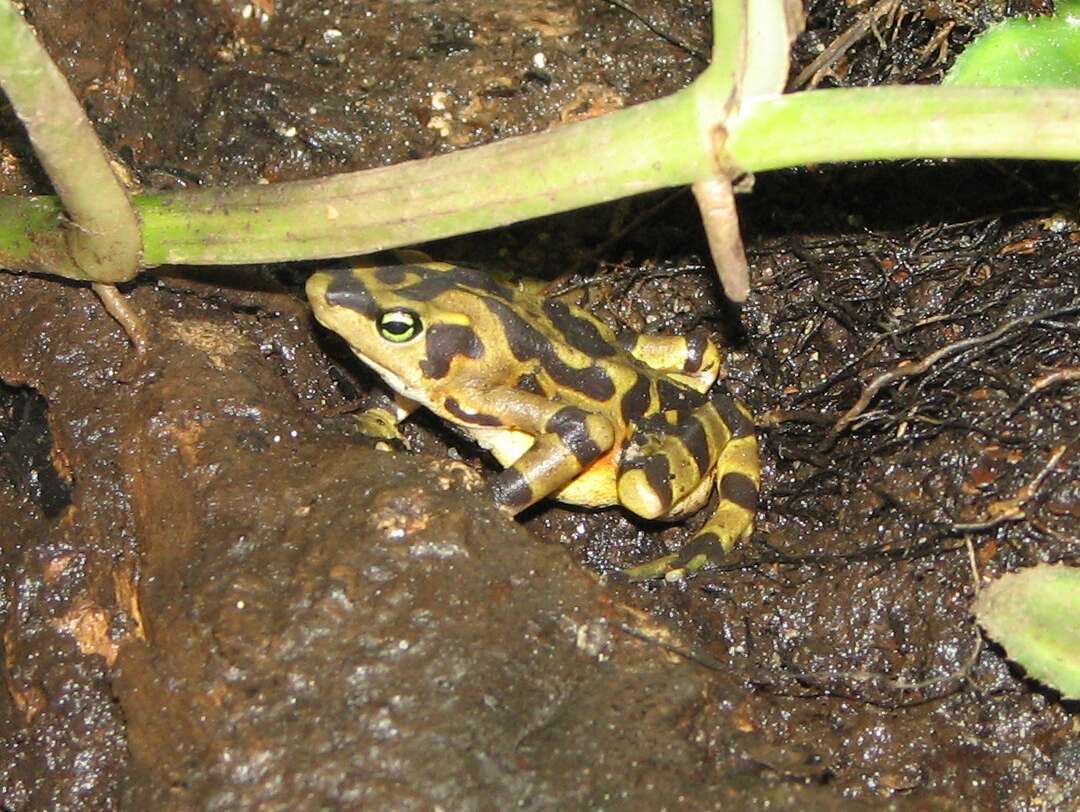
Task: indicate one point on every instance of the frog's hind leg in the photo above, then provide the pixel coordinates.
(732, 522)
(694, 359)
(738, 478)
(666, 461)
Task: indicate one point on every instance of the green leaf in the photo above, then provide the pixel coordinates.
(1040, 52)
(1035, 615)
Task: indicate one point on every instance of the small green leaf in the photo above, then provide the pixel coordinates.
(1035, 615)
(1040, 52)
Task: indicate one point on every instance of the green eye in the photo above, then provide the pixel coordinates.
(399, 325)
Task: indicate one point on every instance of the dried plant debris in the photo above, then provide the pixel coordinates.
(890, 41)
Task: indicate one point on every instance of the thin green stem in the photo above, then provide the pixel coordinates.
(32, 237)
(646, 147)
(891, 123)
(729, 51)
(651, 146)
(104, 235)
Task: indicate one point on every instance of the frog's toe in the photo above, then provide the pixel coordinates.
(650, 570)
(671, 568)
(702, 550)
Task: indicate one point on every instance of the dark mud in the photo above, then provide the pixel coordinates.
(216, 594)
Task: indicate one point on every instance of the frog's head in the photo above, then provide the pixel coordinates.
(407, 322)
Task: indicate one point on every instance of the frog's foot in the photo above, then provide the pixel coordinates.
(739, 477)
(652, 570)
(730, 524)
(698, 553)
(378, 424)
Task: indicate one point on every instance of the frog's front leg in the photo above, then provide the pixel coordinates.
(568, 440)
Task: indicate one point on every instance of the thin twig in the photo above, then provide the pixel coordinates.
(908, 369)
(1013, 510)
(839, 46)
(688, 654)
(130, 322)
(939, 41)
(974, 564)
(628, 276)
(901, 684)
(846, 370)
(716, 200)
(1048, 380)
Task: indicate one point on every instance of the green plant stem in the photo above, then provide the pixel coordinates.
(32, 238)
(656, 145)
(751, 44)
(104, 235)
(896, 122)
(729, 50)
(634, 150)
(651, 146)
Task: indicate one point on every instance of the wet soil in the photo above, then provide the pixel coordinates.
(216, 594)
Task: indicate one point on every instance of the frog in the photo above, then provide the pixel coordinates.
(570, 408)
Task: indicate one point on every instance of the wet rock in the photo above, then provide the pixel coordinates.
(291, 619)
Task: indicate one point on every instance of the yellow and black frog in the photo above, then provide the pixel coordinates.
(568, 408)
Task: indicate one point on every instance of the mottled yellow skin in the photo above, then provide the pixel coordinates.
(567, 407)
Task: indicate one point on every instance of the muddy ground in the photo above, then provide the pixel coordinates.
(216, 594)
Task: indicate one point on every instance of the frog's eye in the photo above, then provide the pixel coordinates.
(399, 325)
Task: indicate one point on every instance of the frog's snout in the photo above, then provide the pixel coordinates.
(340, 287)
(316, 286)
